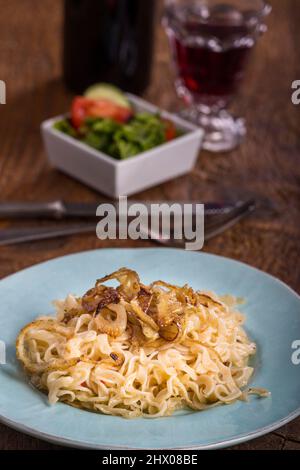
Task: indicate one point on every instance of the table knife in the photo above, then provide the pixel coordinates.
(60, 209)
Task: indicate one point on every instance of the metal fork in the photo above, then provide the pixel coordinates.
(214, 225)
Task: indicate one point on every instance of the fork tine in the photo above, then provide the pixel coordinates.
(217, 224)
(217, 227)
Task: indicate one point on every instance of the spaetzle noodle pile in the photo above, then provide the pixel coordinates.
(137, 350)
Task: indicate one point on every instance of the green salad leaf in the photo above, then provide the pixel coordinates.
(143, 132)
(66, 127)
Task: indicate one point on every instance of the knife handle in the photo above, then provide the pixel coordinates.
(14, 210)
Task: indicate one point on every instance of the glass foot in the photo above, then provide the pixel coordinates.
(222, 131)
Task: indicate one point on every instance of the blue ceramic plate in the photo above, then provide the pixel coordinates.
(273, 321)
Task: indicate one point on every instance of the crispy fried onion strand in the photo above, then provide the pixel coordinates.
(55, 329)
(105, 322)
(129, 282)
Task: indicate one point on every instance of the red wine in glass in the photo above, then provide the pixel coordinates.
(211, 42)
(209, 75)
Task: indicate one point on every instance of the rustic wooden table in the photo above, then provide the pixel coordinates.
(265, 166)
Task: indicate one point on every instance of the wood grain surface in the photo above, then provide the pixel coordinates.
(266, 166)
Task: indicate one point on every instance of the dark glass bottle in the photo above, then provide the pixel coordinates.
(108, 41)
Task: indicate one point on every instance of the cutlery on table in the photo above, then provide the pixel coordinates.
(213, 226)
(61, 210)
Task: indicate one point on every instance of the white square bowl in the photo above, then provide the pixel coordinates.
(124, 177)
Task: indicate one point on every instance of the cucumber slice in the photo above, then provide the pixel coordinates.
(108, 92)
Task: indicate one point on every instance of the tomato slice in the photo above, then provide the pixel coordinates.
(86, 107)
(78, 111)
(170, 130)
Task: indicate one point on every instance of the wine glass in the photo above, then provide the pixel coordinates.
(210, 42)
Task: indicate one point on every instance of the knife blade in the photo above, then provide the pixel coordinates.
(11, 236)
(60, 209)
